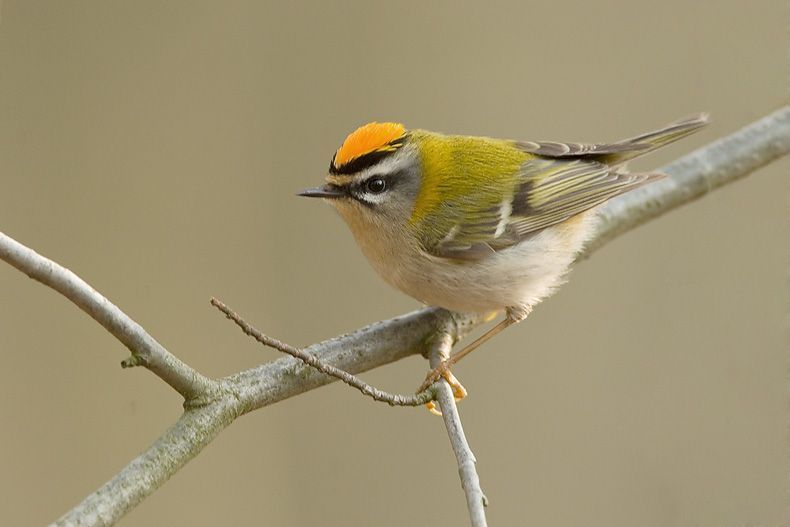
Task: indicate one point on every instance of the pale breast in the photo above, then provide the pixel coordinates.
(521, 275)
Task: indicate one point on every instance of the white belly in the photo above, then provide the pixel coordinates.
(521, 275)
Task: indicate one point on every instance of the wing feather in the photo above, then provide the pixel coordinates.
(557, 182)
(549, 191)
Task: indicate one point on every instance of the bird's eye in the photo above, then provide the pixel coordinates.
(376, 185)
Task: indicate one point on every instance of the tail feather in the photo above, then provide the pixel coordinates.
(617, 153)
(647, 142)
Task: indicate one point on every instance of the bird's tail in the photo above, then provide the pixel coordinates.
(647, 142)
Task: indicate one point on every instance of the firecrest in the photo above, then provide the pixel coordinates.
(475, 224)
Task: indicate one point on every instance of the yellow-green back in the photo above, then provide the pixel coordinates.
(462, 176)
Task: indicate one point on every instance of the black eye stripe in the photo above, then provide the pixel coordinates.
(359, 189)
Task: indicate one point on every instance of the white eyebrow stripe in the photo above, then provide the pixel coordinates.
(389, 165)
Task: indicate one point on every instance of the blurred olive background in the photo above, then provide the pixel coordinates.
(155, 148)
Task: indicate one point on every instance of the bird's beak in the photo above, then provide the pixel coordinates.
(327, 191)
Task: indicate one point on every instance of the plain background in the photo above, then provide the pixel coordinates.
(155, 148)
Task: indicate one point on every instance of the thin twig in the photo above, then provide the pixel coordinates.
(392, 399)
(476, 501)
(722, 162)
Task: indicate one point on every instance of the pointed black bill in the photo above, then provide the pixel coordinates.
(327, 191)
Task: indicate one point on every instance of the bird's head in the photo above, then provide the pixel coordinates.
(374, 177)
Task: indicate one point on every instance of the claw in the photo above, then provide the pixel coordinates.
(442, 371)
(459, 392)
(433, 408)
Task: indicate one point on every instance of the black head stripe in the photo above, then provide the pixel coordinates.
(366, 161)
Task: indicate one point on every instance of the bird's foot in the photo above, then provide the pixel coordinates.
(442, 371)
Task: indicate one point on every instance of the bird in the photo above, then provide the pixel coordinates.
(478, 224)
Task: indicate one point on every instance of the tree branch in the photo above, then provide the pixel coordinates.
(213, 404)
(362, 350)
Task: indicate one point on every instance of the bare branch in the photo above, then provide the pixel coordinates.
(362, 350)
(146, 351)
(476, 501)
(417, 399)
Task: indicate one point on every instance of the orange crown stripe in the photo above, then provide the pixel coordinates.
(366, 139)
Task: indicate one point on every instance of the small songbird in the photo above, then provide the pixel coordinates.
(475, 224)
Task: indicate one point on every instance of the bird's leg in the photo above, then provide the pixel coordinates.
(513, 315)
(443, 369)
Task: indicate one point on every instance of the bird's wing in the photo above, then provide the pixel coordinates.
(547, 191)
(558, 181)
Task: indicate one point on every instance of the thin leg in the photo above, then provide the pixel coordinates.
(443, 370)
